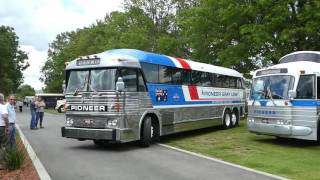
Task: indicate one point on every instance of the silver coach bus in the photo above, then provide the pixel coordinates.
(125, 95)
(285, 98)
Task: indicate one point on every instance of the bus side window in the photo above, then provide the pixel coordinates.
(151, 72)
(165, 74)
(129, 77)
(186, 77)
(176, 76)
(196, 78)
(305, 89)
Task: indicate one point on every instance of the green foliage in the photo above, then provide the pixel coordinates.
(25, 90)
(12, 61)
(246, 35)
(243, 35)
(13, 158)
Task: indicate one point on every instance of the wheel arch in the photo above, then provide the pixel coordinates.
(155, 119)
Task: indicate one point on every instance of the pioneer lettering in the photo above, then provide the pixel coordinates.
(88, 108)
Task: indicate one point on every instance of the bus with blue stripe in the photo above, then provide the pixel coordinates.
(124, 95)
(285, 98)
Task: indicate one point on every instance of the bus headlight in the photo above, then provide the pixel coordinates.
(69, 122)
(112, 123)
(251, 120)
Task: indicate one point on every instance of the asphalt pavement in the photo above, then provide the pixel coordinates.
(81, 160)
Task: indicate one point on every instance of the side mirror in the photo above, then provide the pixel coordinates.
(292, 94)
(120, 84)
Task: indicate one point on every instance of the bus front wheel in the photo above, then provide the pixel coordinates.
(61, 109)
(227, 118)
(146, 132)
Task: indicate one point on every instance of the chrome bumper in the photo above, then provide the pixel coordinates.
(281, 130)
(87, 133)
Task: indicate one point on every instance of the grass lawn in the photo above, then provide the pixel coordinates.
(291, 158)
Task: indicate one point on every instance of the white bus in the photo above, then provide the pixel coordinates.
(126, 95)
(285, 98)
(50, 99)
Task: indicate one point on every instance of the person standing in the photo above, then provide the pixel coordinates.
(3, 121)
(33, 114)
(39, 111)
(12, 119)
(20, 105)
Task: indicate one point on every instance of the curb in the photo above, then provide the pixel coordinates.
(42, 172)
(223, 162)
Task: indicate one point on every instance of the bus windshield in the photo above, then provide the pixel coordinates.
(99, 80)
(275, 87)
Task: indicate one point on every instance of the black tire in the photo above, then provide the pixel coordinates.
(227, 119)
(100, 142)
(61, 109)
(235, 118)
(146, 132)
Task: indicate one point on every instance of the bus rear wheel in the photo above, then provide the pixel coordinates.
(235, 118)
(227, 119)
(147, 132)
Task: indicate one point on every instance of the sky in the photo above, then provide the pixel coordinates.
(38, 22)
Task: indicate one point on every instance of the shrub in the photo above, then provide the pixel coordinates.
(14, 158)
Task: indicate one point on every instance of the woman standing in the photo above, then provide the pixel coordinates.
(40, 105)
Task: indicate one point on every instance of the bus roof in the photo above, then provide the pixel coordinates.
(133, 57)
(313, 56)
(291, 68)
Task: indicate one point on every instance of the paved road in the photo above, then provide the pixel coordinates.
(71, 159)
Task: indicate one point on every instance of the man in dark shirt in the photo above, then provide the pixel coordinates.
(33, 114)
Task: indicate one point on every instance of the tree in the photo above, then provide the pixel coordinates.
(246, 35)
(25, 90)
(13, 61)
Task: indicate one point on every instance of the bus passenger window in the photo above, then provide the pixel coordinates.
(151, 72)
(305, 89)
(233, 82)
(206, 79)
(196, 78)
(186, 77)
(176, 76)
(218, 81)
(129, 77)
(226, 82)
(165, 74)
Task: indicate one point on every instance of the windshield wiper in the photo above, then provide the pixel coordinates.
(76, 91)
(269, 93)
(279, 96)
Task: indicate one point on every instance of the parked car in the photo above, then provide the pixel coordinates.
(61, 105)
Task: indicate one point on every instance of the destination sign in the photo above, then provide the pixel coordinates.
(272, 71)
(85, 62)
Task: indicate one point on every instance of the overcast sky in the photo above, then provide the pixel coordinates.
(37, 22)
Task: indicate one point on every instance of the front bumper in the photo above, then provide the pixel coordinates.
(280, 130)
(87, 133)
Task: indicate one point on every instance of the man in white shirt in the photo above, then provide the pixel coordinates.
(12, 119)
(3, 121)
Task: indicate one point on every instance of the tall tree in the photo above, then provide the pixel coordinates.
(246, 35)
(25, 90)
(13, 61)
